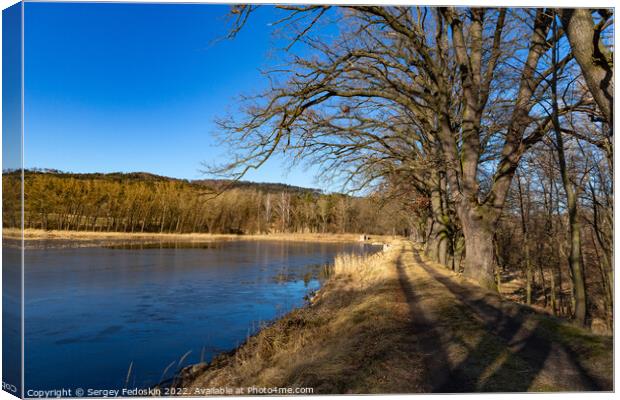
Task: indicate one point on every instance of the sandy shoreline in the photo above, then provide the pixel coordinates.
(86, 238)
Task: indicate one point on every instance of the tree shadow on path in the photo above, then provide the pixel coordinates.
(524, 339)
(428, 341)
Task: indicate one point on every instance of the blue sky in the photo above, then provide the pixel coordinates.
(11, 87)
(136, 87)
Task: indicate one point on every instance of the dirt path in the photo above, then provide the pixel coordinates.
(475, 341)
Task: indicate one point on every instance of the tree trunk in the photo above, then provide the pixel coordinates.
(579, 287)
(479, 250)
(579, 290)
(575, 263)
(458, 248)
(595, 60)
(553, 291)
(438, 238)
(526, 243)
(162, 221)
(437, 244)
(543, 283)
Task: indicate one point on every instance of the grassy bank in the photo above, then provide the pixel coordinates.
(85, 237)
(390, 323)
(352, 338)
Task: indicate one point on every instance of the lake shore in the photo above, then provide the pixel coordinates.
(394, 322)
(89, 238)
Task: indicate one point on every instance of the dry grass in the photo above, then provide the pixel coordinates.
(361, 269)
(86, 236)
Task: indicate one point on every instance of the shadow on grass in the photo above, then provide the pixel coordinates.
(428, 342)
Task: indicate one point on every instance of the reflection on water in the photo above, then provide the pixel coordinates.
(93, 312)
(167, 245)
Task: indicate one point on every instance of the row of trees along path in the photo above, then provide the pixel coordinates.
(481, 121)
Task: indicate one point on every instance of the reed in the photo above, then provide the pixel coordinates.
(362, 268)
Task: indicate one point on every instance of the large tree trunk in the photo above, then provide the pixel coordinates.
(439, 234)
(479, 220)
(418, 231)
(595, 60)
(437, 244)
(478, 230)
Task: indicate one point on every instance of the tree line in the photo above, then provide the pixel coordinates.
(492, 127)
(148, 203)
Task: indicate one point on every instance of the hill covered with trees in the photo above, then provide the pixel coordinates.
(143, 202)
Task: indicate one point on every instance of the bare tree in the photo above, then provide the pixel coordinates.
(593, 54)
(449, 87)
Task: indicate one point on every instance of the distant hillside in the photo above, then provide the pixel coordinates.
(145, 202)
(214, 184)
(266, 187)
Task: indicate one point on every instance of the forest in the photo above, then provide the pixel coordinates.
(141, 202)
